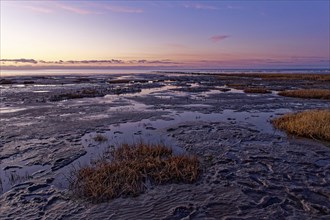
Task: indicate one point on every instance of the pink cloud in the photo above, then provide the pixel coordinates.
(120, 9)
(200, 6)
(89, 62)
(22, 60)
(175, 45)
(217, 38)
(233, 7)
(39, 9)
(75, 10)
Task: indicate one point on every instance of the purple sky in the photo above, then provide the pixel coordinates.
(192, 34)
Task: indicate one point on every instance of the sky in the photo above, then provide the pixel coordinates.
(173, 34)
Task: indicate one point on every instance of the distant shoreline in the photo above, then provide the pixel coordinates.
(100, 71)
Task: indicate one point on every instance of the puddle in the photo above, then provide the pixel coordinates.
(10, 109)
(14, 175)
(18, 86)
(258, 120)
(149, 91)
(41, 91)
(148, 130)
(154, 132)
(197, 105)
(45, 85)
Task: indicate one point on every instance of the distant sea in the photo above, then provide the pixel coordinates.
(47, 72)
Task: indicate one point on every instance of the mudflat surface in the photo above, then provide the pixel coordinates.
(250, 170)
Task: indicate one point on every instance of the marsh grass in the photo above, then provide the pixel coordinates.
(313, 77)
(307, 93)
(237, 86)
(130, 170)
(312, 124)
(280, 76)
(257, 90)
(84, 93)
(100, 138)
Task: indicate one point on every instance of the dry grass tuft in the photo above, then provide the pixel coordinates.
(307, 93)
(100, 138)
(256, 90)
(312, 124)
(129, 171)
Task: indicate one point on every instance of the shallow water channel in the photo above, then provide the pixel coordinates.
(155, 132)
(146, 130)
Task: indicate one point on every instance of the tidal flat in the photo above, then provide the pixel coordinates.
(52, 125)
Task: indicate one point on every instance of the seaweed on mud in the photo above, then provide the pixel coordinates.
(119, 81)
(257, 90)
(85, 93)
(125, 90)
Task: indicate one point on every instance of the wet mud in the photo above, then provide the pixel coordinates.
(250, 170)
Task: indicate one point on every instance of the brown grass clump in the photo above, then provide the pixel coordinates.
(256, 90)
(313, 124)
(100, 138)
(130, 170)
(307, 93)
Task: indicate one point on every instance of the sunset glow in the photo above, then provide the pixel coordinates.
(178, 34)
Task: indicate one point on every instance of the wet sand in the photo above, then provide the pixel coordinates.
(250, 170)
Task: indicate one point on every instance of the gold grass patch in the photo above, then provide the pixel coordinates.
(312, 124)
(129, 171)
(307, 93)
